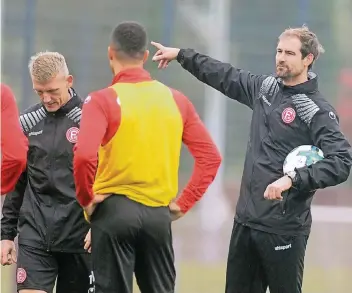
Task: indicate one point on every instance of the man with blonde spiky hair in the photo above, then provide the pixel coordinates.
(51, 226)
(51, 79)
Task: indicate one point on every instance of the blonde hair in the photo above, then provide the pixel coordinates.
(44, 66)
(309, 41)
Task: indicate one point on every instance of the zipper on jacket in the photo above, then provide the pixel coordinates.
(266, 119)
(283, 208)
(51, 180)
(283, 203)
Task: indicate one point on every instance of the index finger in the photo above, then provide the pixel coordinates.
(157, 45)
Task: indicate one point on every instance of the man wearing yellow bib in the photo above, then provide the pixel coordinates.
(129, 148)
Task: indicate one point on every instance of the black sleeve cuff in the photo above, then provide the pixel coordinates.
(297, 181)
(181, 57)
(7, 237)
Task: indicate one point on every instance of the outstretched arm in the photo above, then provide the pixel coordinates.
(234, 83)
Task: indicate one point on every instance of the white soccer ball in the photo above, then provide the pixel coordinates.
(302, 156)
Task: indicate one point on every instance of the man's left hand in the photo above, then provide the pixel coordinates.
(274, 190)
(88, 242)
(98, 198)
(175, 211)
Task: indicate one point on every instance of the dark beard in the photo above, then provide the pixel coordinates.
(286, 74)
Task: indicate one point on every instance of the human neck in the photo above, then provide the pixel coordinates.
(117, 68)
(296, 80)
(67, 98)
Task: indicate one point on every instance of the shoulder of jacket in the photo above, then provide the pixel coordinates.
(308, 105)
(322, 102)
(105, 91)
(75, 113)
(81, 102)
(32, 108)
(269, 86)
(32, 116)
(102, 93)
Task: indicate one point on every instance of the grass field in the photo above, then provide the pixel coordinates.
(201, 258)
(210, 278)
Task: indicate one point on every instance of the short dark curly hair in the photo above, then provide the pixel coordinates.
(130, 39)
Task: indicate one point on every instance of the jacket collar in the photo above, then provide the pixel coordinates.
(75, 101)
(132, 75)
(308, 87)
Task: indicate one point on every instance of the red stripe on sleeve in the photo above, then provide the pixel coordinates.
(100, 120)
(14, 144)
(206, 156)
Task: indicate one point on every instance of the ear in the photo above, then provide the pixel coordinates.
(110, 53)
(145, 56)
(308, 60)
(69, 80)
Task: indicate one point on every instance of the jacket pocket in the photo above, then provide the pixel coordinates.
(284, 201)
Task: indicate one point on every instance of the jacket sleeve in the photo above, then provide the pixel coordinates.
(100, 121)
(11, 209)
(207, 158)
(85, 159)
(336, 165)
(14, 143)
(234, 83)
